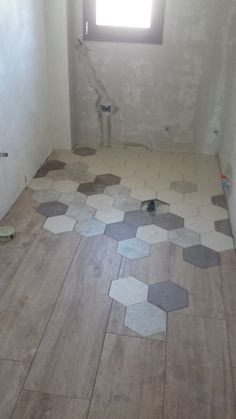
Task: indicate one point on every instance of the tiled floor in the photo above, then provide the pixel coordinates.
(108, 310)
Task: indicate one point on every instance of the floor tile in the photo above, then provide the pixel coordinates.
(121, 231)
(84, 151)
(109, 215)
(168, 296)
(81, 214)
(52, 209)
(198, 198)
(143, 194)
(47, 195)
(152, 234)
(201, 256)
(79, 175)
(65, 186)
(57, 175)
(73, 199)
(157, 184)
(73, 168)
(107, 179)
(183, 187)
(40, 183)
(59, 224)
(224, 227)
(53, 165)
(199, 224)
(217, 241)
(127, 204)
(99, 169)
(42, 172)
(184, 210)
(220, 201)
(91, 188)
(100, 201)
(184, 237)
(133, 182)
(117, 191)
(160, 207)
(171, 197)
(90, 227)
(66, 156)
(146, 319)
(123, 172)
(128, 291)
(133, 248)
(138, 218)
(169, 221)
(213, 213)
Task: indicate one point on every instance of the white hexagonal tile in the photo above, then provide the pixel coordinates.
(109, 215)
(217, 241)
(213, 213)
(81, 214)
(152, 234)
(100, 201)
(127, 204)
(184, 237)
(146, 319)
(128, 291)
(90, 228)
(65, 186)
(117, 191)
(67, 156)
(48, 195)
(199, 224)
(143, 194)
(41, 183)
(59, 224)
(184, 210)
(133, 182)
(170, 197)
(74, 199)
(197, 198)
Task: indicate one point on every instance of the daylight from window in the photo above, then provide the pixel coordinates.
(124, 13)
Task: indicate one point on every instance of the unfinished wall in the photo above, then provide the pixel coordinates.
(24, 117)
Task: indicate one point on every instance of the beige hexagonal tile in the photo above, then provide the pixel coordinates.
(65, 186)
(184, 210)
(67, 156)
(157, 184)
(59, 224)
(170, 197)
(143, 194)
(197, 198)
(133, 182)
(217, 241)
(199, 224)
(109, 215)
(40, 184)
(100, 201)
(152, 234)
(213, 213)
(99, 169)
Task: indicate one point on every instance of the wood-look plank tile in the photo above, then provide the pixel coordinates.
(130, 379)
(11, 256)
(23, 214)
(228, 275)
(198, 363)
(34, 405)
(204, 285)
(28, 301)
(68, 357)
(12, 376)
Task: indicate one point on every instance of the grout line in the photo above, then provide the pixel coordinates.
(15, 360)
(137, 337)
(54, 394)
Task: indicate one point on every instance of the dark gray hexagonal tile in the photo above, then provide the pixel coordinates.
(91, 188)
(138, 218)
(42, 172)
(169, 221)
(49, 165)
(84, 151)
(168, 296)
(52, 209)
(220, 201)
(108, 179)
(121, 231)
(183, 186)
(201, 256)
(224, 227)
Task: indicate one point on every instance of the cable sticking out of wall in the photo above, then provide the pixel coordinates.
(105, 105)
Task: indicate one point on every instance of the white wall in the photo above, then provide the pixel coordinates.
(24, 105)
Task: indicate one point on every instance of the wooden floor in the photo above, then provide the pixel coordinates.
(65, 352)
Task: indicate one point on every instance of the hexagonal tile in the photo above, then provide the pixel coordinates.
(56, 175)
(117, 191)
(143, 194)
(152, 234)
(91, 188)
(183, 186)
(59, 224)
(127, 204)
(109, 215)
(47, 195)
(78, 174)
(224, 227)
(107, 179)
(52, 209)
(199, 224)
(42, 172)
(197, 198)
(53, 165)
(158, 207)
(65, 186)
(168, 296)
(133, 248)
(40, 184)
(170, 197)
(74, 199)
(84, 151)
(220, 201)
(184, 210)
(213, 213)
(201, 256)
(169, 221)
(90, 228)
(133, 182)
(146, 320)
(99, 169)
(99, 201)
(66, 156)
(121, 231)
(157, 184)
(128, 291)
(81, 214)
(184, 237)
(138, 218)
(217, 241)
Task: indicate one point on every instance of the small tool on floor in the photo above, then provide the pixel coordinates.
(151, 206)
(7, 233)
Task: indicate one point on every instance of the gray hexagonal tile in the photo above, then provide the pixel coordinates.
(169, 221)
(133, 248)
(152, 234)
(168, 296)
(90, 228)
(138, 218)
(223, 226)
(219, 201)
(52, 209)
(128, 291)
(184, 237)
(91, 188)
(49, 195)
(84, 151)
(117, 191)
(73, 199)
(146, 320)
(107, 179)
(201, 256)
(81, 214)
(121, 231)
(127, 204)
(183, 186)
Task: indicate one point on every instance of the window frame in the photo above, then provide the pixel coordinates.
(152, 35)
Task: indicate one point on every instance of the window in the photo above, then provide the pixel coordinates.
(139, 21)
